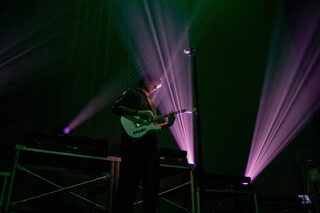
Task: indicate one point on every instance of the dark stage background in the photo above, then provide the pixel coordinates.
(56, 56)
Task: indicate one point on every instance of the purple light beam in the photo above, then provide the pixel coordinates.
(291, 92)
(156, 36)
(107, 95)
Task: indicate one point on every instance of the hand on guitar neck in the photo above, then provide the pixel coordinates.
(145, 115)
(171, 118)
(148, 116)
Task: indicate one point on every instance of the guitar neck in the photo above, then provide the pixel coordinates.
(160, 117)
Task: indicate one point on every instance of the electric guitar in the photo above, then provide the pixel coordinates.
(136, 127)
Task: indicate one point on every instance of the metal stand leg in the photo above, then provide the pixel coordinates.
(111, 193)
(116, 176)
(4, 186)
(198, 199)
(13, 174)
(114, 179)
(193, 208)
(255, 202)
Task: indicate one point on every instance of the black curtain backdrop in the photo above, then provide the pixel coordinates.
(56, 56)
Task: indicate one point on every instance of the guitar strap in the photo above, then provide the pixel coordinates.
(152, 106)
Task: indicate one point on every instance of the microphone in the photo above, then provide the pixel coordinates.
(189, 51)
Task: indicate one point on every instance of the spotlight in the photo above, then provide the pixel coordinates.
(189, 51)
(66, 130)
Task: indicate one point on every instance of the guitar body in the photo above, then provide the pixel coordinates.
(135, 127)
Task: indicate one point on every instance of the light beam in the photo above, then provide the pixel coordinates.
(291, 92)
(156, 34)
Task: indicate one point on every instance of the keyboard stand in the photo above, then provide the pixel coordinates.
(113, 175)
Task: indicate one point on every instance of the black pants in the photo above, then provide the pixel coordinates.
(139, 162)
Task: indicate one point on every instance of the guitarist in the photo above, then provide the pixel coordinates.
(139, 157)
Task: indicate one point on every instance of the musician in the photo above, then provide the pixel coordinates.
(139, 157)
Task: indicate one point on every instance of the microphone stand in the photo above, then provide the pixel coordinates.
(199, 165)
